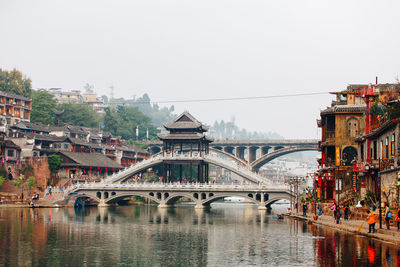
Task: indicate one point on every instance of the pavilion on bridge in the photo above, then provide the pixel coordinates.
(186, 136)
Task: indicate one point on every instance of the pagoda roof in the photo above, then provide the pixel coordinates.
(185, 121)
(184, 136)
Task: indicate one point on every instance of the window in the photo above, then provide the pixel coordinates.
(66, 146)
(352, 127)
(392, 145)
(362, 152)
(386, 147)
(10, 153)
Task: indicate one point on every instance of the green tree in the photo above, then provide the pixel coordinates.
(123, 121)
(2, 179)
(157, 115)
(43, 107)
(15, 82)
(30, 182)
(54, 164)
(110, 121)
(18, 183)
(79, 114)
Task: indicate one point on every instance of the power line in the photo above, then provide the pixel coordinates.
(228, 98)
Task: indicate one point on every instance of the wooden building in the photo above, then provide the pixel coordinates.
(186, 136)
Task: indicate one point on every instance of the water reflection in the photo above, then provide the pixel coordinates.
(227, 235)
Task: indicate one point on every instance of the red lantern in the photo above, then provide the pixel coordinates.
(90, 167)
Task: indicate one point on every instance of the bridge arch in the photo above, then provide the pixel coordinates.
(275, 199)
(217, 197)
(174, 197)
(119, 196)
(258, 163)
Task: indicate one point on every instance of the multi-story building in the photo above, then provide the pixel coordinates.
(73, 96)
(340, 124)
(346, 126)
(14, 108)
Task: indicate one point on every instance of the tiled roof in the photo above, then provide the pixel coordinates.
(344, 109)
(54, 138)
(80, 142)
(89, 159)
(378, 131)
(32, 126)
(131, 148)
(185, 121)
(2, 93)
(11, 144)
(183, 136)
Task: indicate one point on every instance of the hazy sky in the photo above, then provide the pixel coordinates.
(184, 49)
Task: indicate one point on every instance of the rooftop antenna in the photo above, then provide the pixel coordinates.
(112, 91)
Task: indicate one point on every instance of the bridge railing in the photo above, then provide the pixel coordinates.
(223, 186)
(195, 156)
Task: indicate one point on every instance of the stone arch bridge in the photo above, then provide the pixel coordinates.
(252, 153)
(247, 175)
(166, 195)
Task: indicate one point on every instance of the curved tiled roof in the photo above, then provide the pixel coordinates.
(89, 159)
(185, 121)
(344, 109)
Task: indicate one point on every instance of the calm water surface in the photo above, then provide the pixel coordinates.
(226, 235)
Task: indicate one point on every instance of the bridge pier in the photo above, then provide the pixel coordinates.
(165, 206)
(103, 203)
(202, 206)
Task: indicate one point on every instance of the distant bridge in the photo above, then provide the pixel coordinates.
(166, 195)
(257, 152)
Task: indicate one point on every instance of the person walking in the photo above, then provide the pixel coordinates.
(398, 219)
(338, 214)
(371, 221)
(319, 209)
(50, 192)
(334, 207)
(304, 209)
(388, 215)
(346, 212)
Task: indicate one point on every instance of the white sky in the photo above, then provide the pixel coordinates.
(187, 49)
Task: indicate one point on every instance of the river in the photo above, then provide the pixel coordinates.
(225, 235)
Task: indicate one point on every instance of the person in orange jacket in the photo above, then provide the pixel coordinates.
(371, 221)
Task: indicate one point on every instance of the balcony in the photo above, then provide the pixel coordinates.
(377, 164)
(360, 167)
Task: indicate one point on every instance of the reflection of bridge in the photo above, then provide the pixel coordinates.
(167, 195)
(252, 153)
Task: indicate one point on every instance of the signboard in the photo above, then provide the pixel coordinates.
(337, 156)
(355, 182)
(338, 184)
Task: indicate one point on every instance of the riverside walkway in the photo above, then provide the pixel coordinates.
(352, 225)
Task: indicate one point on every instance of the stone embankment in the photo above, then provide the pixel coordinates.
(352, 226)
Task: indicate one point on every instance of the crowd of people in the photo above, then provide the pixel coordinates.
(344, 210)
